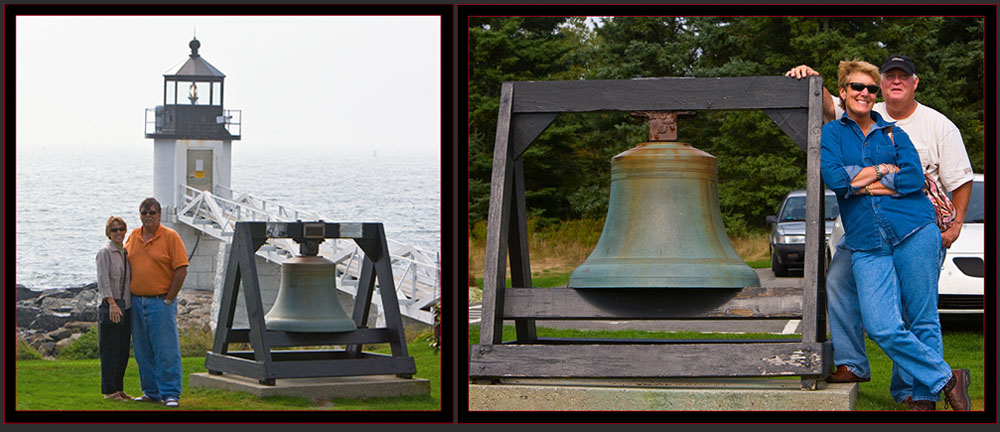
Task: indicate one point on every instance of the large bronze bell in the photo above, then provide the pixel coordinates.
(664, 228)
(307, 298)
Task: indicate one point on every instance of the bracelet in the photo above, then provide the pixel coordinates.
(869, 189)
(878, 172)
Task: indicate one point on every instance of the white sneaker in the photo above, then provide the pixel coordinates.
(172, 403)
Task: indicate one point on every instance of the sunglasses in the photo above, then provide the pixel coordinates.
(150, 212)
(859, 87)
(117, 229)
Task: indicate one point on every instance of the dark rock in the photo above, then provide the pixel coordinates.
(57, 294)
(49, 322)
(22, 292)
(47, 349)
(80, 326)
(59, 334)
(26, 315)
(38, 339)
(78, 289)
(45, 317)
(89, 314)
(63, 343)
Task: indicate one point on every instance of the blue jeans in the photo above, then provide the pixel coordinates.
(897, 282)
(846, 326)
(156, 348)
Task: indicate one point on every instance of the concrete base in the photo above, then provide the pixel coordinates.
(703, 394)
(362, 387)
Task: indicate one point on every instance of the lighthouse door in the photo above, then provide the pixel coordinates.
(199, 169)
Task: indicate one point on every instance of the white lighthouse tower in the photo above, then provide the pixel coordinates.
(192, 146)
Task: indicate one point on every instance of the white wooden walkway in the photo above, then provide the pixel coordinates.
(417, 272)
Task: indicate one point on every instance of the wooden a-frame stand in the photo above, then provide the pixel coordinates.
(526, 109)
(266, 365)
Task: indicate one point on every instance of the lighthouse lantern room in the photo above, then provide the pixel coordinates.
(192, 133)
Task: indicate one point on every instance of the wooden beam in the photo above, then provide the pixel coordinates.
(814, 271)
(660, 94)
(526, 127)
(793, 123)
(344, 367)
(681, 360)
(566, 303)
(390, 303)
(498, 224)
(520, 259)
(235, 365)
(288, 339)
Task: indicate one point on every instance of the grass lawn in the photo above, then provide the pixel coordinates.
(76, 385)
(963, 349)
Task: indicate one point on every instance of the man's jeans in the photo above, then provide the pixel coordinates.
(846, 325)
(156, 348)
(897, 282)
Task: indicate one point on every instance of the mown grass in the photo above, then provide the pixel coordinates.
(963, 349)
(76, 385)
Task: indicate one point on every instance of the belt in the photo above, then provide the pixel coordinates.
(158, 296)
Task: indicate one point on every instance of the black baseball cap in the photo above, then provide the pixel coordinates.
(898, 61)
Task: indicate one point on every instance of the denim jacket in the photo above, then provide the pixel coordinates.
(845, 150)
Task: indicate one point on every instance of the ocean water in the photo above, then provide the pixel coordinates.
(62, 201)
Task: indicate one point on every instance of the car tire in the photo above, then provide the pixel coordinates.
(778, 269)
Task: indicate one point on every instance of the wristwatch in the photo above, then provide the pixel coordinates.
(168, 301)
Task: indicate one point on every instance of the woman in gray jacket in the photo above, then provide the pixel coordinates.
(114, 323)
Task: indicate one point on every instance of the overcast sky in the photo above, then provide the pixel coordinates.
(332, 85)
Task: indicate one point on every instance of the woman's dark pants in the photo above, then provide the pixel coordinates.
(113, 342)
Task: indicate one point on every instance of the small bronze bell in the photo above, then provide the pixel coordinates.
(664, 228)
(307, 297)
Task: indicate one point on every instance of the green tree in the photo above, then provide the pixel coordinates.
(515, 49)
(757, 163)
(568, 165)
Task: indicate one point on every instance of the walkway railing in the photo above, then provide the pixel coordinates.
(416, 271)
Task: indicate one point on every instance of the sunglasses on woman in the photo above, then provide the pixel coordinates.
(120, 229)
(859, 87)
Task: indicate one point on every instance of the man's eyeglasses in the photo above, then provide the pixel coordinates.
(117, 229)
(148, 212)
(859, 87)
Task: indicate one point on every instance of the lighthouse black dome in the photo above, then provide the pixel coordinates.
(195, 67)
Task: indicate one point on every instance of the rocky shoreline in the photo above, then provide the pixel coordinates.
(51, 319)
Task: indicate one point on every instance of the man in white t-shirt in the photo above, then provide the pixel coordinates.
(944, 158)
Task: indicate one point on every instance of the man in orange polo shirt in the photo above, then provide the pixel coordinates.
(159, 266)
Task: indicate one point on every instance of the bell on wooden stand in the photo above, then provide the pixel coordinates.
(307, 297)
(664, 228)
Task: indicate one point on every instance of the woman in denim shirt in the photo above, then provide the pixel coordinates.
(890, 228)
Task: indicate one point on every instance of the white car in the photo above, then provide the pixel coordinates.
(961, 285)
